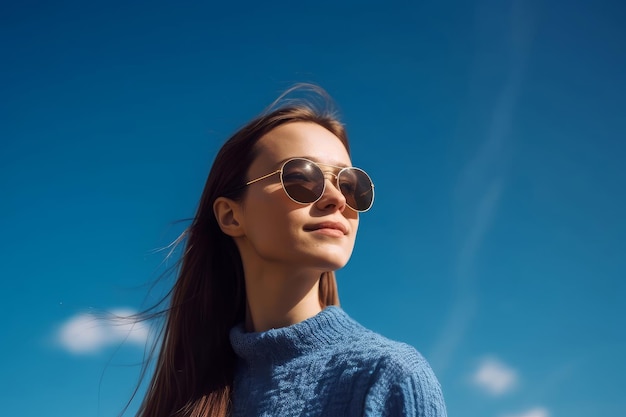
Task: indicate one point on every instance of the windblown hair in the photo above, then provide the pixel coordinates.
(194, 370)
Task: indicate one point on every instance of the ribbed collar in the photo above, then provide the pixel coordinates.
(326, 328)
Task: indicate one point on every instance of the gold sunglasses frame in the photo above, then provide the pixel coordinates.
(319, 165)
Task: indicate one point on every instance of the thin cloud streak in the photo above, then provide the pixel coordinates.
(483, 218)
(479, 190)
(87, 333)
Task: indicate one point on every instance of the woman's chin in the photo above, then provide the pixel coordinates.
(332, 262)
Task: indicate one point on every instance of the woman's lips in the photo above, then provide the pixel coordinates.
(334, 229)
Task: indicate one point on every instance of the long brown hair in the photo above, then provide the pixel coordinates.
(194, 371)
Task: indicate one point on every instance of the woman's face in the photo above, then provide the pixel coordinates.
(318, 236)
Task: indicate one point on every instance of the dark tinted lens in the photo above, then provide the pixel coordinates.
(356, 186)
(303, 180)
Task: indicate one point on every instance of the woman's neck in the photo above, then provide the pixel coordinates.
(280, 298)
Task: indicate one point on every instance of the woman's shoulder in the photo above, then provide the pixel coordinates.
(386, 353)
(400, 379)
(369, 347)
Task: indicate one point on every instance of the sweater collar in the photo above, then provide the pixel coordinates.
(324, 329)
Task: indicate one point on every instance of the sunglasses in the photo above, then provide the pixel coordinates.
(304, 182)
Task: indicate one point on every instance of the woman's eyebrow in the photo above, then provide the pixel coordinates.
(314, 159)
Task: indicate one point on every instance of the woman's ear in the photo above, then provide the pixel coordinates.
(227, 213)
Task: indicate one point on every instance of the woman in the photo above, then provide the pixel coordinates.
(254, 326)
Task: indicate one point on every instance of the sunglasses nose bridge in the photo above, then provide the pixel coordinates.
(333, 178)
(330, 174)
(332, 191)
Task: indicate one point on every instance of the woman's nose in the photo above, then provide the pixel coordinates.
(332, 196)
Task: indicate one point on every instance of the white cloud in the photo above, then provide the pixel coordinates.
(87, 333)
(495, 377)
(534, 412)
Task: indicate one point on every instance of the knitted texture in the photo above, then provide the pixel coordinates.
(329, 365)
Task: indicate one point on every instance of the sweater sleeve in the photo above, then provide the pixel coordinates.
(404, 385)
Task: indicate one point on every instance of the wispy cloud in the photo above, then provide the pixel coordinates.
(533, 412)
(495, 377)
(482, 181)
(87, 333)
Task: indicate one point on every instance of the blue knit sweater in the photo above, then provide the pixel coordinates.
(329, 365)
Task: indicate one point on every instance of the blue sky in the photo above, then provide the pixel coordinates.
(494, 131)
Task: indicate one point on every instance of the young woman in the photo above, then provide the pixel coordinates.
(254, 327)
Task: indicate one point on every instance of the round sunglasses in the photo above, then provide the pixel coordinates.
(304, 182)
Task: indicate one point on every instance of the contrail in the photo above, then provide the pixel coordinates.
(481, 185)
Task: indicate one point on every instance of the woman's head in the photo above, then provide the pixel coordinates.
(309, 232)
(248, 151)
(196, 363)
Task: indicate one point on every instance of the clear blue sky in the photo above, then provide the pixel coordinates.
(494, 131)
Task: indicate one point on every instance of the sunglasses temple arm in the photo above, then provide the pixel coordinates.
(263, 177)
